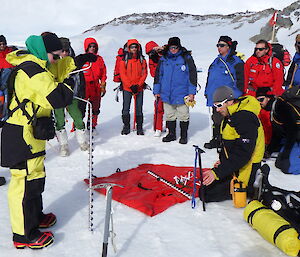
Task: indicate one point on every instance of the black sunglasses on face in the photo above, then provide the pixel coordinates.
(259, 48)
(298, 43)
(261, 99)
(133, 47)
(221, 45)
(92, 46)
(55, 56)
(173, 47)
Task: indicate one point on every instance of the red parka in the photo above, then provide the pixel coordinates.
(96, 73)
(133, 71)
(119, 58)
(266, 71)
(3, 63)
(152, 65)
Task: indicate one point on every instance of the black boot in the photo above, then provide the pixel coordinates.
(139, 125)
(126, 126)
(2, 181)
(215, 141)
(171, 125)
(184, 125)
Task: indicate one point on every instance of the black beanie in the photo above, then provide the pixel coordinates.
(52, 42)
(65, 42)
(222, 93)
(3, 39)
(263, 91)
(174, 41)
(226, 39)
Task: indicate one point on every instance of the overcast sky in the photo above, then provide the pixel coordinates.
(21, 18)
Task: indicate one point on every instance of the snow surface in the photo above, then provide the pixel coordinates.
(179, 231)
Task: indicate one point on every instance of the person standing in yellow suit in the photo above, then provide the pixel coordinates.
(36, 93)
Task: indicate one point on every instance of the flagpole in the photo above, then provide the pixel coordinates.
(274, 25)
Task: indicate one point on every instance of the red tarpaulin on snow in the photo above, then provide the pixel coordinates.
(144, 192)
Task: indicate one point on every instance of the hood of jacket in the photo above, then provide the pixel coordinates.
(120, 51)
(245, 103)
(19, 56)
(89, 41)
(36, 46)
(149, 46)
(133, 41)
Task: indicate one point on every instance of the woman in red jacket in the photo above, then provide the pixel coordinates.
(155, 52)
(95, 78)
(133, 73)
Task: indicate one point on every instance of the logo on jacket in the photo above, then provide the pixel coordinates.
(183, 68)
(245, 140)
(278, 65)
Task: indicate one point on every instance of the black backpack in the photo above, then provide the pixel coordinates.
(281, 53)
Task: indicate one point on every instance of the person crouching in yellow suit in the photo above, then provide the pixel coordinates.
(36, 93)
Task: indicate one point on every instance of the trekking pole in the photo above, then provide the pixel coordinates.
(155, 112)
(211, 134)
(108, 213)
(90, 165)
(134, 112)
(198, 152)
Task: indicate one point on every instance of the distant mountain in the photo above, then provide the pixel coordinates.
(287, 19)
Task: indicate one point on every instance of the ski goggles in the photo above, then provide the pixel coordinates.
(221, 45)
(219, 105)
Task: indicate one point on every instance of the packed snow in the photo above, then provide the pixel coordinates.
(180, 230)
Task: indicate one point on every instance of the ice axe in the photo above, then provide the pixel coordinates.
(108, 215)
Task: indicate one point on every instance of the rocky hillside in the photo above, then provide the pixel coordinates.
(286, 19)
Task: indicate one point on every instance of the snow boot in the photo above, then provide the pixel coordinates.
(2, 181)
(171, 125)
(47, 220)
(184, 125)
(43, 240)
(81, 139)
(126, 126)
(214, 142)
(63, 141)
(139, 125)
(157, 133)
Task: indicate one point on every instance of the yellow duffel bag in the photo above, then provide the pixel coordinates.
(272, 227)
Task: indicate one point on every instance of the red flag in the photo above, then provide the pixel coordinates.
(273, 20)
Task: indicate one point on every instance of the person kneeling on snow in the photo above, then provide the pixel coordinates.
(175, 79)
(242, 145)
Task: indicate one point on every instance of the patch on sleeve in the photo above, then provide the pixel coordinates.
(245, 140)
(278, 65)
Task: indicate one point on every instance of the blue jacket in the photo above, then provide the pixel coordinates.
(218, 75)
(296, 60)
(175, 77)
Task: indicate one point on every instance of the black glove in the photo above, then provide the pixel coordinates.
(83, 58)
(134, 88)
(70, 82)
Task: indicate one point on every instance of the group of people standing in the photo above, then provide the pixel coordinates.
(49, 75)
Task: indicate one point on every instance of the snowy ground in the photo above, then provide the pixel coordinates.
(179, 231)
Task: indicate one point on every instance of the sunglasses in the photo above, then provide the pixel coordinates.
(221, 45)
(133, 47)
(66, 50)
(219, 105)
(259, 48)
(92, 46)
(55, 56)
(261, 99)
(173, 47)
(298, 43)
